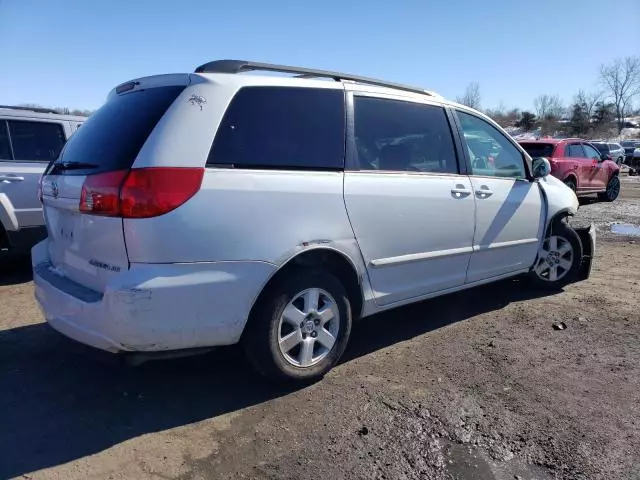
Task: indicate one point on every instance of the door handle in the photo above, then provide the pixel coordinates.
(484, 192)
(11, 178)
(460, 191)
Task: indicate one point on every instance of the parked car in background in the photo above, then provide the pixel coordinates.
(629, 147)
(613, 150)
(579, 165)
(211, 208)
(30, 138)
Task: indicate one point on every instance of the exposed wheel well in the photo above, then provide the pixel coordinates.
(571, 177)
(4, 238)
(320, 259)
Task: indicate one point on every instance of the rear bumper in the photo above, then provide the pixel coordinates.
(588, 238)
(152, 308)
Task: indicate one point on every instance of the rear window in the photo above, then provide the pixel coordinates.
(35, 141)
(536, 150)
(282, 127)
(112, 137)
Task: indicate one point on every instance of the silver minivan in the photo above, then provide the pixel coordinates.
(211, 208)
(30, 138)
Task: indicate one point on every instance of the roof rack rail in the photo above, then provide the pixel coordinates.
(30, 109)
(239, 66)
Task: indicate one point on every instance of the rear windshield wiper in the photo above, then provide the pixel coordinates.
(73, 166)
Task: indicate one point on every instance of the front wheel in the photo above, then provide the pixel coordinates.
(613, 190)
(299, 331)
(559, 258)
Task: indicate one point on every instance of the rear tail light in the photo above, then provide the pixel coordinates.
(139, 193)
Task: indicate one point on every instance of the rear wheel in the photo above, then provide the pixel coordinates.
(559, 258)
(300, 330)
(613, 190)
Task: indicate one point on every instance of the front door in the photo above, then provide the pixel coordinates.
(509, 207)
(411, 210)
(597, 171)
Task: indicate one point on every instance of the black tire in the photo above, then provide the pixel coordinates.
(261, 337)
(613, 190)
(571, 183)
(561, 230)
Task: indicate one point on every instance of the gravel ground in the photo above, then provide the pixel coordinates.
(474, 385)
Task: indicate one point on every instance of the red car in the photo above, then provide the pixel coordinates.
(579, 165)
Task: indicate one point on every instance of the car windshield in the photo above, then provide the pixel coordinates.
(630, 143)
(538, 149)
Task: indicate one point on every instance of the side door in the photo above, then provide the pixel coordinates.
(34, 144)
(581, 165)
(597, 171)
(410, 205)
(509, 206)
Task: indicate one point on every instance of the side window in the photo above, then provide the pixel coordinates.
(5, 145)
(591, 152)
(491, 153)
(282, 127)
(393, 135)
(36, 141)
(575, 151)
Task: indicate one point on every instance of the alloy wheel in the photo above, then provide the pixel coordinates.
(555, 259)
(308, 327)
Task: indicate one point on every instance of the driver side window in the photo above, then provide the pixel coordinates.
(490, 152)
(591, 152)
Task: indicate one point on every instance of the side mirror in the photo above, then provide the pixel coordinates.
(541, 167)
(605, 157)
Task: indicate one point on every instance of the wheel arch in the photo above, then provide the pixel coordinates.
(320, 257)
(571, 176)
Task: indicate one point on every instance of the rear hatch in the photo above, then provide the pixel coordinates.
(81, 189)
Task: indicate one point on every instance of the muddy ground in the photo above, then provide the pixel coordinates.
(474, 385)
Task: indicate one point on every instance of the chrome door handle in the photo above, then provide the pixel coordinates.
(11, 178)
(460, 191)
(484, 192)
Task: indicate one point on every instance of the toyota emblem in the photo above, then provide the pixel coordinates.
(54, 189)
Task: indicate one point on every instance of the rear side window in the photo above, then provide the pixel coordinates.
(112, 137)
(5, 146)
(536, 150)
(282, 127)
(35, 141)
(393, 135)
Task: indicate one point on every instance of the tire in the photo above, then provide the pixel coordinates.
(307, 356)
(613, 190)
(571, 183)
(561, 253)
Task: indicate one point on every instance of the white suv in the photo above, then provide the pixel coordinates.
(30, 138)
(206, 209)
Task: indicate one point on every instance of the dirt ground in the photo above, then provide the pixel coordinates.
(474, 385)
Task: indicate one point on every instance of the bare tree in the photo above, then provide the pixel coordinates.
(588, 101)
(471, 97)
(621, 78)
(548, 107)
